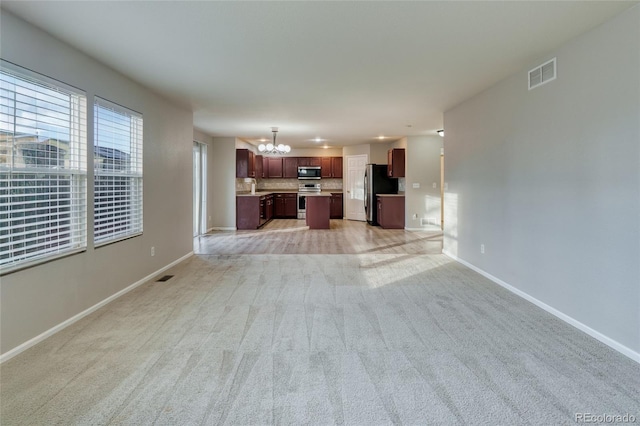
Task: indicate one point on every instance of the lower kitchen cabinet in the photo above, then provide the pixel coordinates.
(391, 211)
(269, 209)
(286, 205)
(248, 212)
(336, 206)
(253, 211)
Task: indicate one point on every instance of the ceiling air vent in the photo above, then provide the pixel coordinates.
(542, 74)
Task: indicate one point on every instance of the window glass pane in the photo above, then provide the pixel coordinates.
(42, 169)
(118, 172)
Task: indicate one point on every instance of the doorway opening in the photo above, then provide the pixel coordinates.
(199, 188)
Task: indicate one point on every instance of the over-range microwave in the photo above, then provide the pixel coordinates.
(309, 172)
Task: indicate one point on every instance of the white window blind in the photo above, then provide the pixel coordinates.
(43, 168)
(118, 172)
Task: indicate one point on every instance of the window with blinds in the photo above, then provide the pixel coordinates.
(43, 169)
(118, 172)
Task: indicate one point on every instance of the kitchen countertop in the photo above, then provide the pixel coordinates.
(264, 192)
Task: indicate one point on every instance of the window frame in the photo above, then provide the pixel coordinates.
(75, 172)
(136, 175)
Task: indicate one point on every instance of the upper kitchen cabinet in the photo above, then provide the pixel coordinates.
(336, 167)
(309, 161)
(395, 162)
(331, 167)
(274, 167)
(259, 166)
(245, 163)
(290, 167)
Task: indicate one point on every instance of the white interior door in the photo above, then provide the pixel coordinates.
(356, 165)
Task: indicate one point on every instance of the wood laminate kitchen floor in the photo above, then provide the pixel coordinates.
(285, 326)
(290, 236)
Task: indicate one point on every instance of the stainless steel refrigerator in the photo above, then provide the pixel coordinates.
(376, 182)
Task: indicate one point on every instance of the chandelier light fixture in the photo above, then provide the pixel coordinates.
(272, 148)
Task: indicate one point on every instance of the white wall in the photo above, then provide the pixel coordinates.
(549, 181)
(41, 297)
(221, 184)
(378, 152)
(423, 168)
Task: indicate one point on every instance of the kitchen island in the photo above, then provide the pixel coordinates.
(318, 210)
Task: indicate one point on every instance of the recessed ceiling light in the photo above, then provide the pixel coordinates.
(380, 137)
(325, 147)
(318, 139)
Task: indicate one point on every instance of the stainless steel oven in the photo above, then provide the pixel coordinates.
(303, 190)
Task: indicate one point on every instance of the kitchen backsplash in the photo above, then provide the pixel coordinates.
(285, 184)
(401, 184)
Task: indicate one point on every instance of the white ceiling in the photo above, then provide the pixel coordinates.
(346, 72)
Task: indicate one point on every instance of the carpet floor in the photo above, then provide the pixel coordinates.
(315, 339)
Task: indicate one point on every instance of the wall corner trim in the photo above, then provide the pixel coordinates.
(635, 356)
(53, 330)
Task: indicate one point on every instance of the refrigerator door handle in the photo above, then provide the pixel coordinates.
(366, 193)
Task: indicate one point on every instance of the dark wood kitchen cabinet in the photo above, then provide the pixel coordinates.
(331, 167)
(253, 211)
(318, 211)
(274, 167)
(290, 167)
(395, 162)
(248, 212)
(269, 207)
(245, 163)
(390, 211)
(336, 206)
(259, 162)
(310, 161)
(286, 205)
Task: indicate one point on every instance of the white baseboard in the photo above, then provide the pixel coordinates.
(425, 228)
(29, 343)
(553, 311)
(222, 228)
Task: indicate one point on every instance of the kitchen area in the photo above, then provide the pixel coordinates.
(311, 189)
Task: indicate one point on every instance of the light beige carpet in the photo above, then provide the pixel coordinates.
(358, 339)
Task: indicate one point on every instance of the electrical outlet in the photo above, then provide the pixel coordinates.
(153, 251)
(435, 185)
(416, 185)
(446, 186)
(415, 216)
(482, 248)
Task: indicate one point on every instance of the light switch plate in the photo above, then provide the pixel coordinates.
(416, 185)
